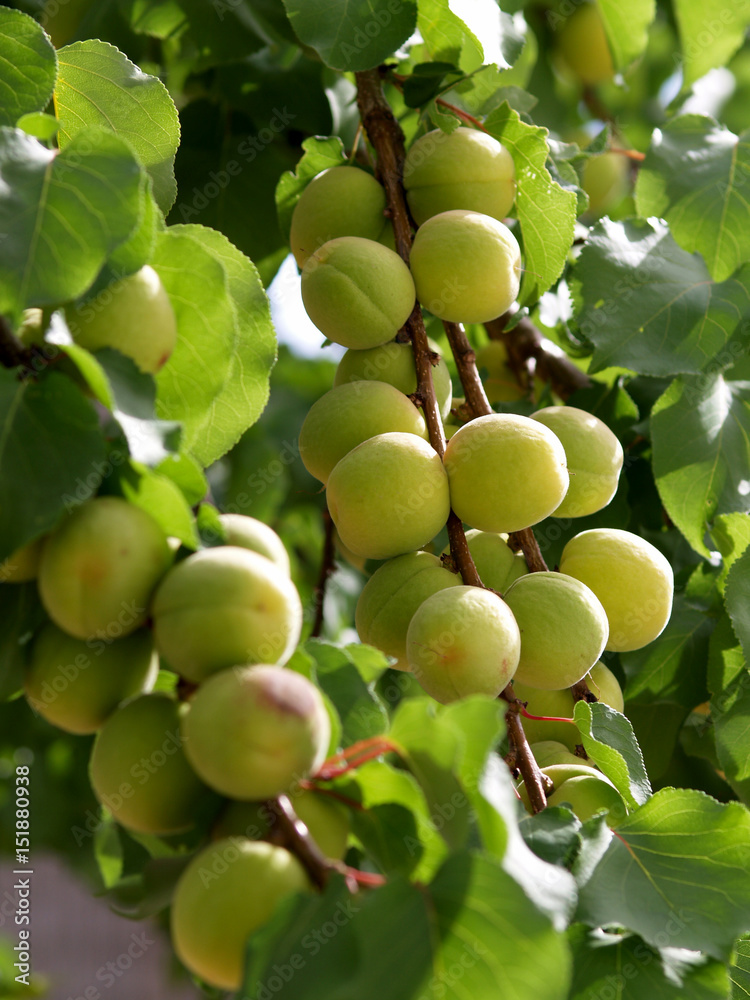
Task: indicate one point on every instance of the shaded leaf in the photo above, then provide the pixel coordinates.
(609, 740)
(738, 601)
(361, 711)
(28, 66)
(21, 613)
(704, 47)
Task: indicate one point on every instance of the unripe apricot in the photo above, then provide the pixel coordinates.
(498, 565)
(549, 752)
(350, 414)
(251, 732)
(394, 363)
(341, 201)
(594, 458)
(357, 292)
(133, 315)
(631, 578)
(226, 893)
(139, 770)
(583, 47)
(506, 472)
(587, 794)
(603, 683)
(500, 385)
(23, 564)
(463, 641)
(224, 606)
(463, 169)
(247, 532)
(466, 267)
(392, 595)
(563, 629)
(77, 685)
(388, 496)
(99, 569)
(327, 821)
(606, 180)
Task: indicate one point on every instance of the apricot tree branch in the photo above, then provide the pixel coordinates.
(327, 566)
(466, 363)
(296, 838)
(537, 784)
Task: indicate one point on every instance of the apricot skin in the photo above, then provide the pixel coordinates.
(249, 533)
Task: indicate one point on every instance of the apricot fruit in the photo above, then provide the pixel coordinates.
(247, 532)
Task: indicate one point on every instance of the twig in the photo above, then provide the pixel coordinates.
(582, 692)
(537, 784)
(466, 363)
(297, 839)
(327, 566)
(526, 541)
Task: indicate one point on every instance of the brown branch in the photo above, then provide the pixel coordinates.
(296, 838)
(537, 784)
(526, 541)
(466, 363)
(327, 566)
(582, 692)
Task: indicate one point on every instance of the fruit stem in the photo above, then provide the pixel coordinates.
(545, 718)
(327, 566)
(582, 692)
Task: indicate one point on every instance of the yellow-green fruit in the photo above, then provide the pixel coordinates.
(466, 266)
(23, 564)
(463, 641)
(251, 732)
(594, 458)
(250, 533)
(587, 794)
(388, 496)
(549, 752)
(327, 821)
(560, 704)
(582, 45)
(342, 201)
(350, 414)
(225, 894)
(99, 569)
(631, 578)
(392, 595)
(133, 315)
(563, 629)
(465, 169)
(139, 770)
(498, 566)
(500, 385)
(394, 363)
(77, 685)
(225, 606)
(506, 472)
(606, 180)
(31, 332)
(357, 292)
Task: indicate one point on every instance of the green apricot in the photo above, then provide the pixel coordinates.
(588, 794)
(327, 821)
(606, 180)
(77, 685)
(139, 770)
(463, 169)
(350, 414)
(394, 363)
(603, 683)
(392, 595)
(506, 472)
(631, 578)
(226, 893)
(357, 292)
(463, 641)
(466, 267)
(583, 47)
(225, 606)
(251, 732)
(563, 629)
(342, 201)
(549, 752)
(99, 569)
(23, 564)
(594, 458)
(388, 496)
(500, 385)
(133, 315)
(249, 533)
(497, 564)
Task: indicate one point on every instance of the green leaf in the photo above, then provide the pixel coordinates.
(738, 601)
(39, 125)
(739, 971)
(159, 497)
(320, 154)
(352, 36)
(361, 711)
(711, 31)
(137, 249)
(481, 33)
(161, 19)
(388, 834)
(648, 305)
(730, 533)
(678, 864)
(726, 660)
(50, 445)
(609, 740)
(545, 210)
(673, 666)
(84, 199)
(28, 66)
(730, 712)
(223, 31)
(695, 176)
(216, 381)
(603, 963)
(21, 614)
(187, 474)
(553, 835)
(98, 85)
(627, 28)
(108, 852)
(700, 431)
